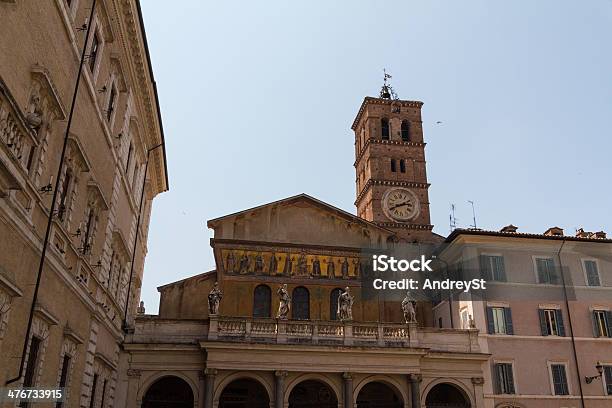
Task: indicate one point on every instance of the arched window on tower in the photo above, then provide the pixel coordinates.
(300, 299)
(262, 301)
(333, 303)
(393, 169)
(402, 165)
(385, 128)
(405, 131)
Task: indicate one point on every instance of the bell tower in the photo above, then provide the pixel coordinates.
(392, 187)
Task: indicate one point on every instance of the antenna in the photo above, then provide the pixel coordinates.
(453, 219)
(473, 214)
(387, 91)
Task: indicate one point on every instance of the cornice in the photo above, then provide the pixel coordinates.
(390, 183)
(379, 101)
(385, 142)
(391, 224)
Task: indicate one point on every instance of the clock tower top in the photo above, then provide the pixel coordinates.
(391, 178)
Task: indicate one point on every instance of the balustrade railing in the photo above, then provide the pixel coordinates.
(341, 333)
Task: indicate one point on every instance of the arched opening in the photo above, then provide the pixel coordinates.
(385, 128)
(262, 301)
(446, 395)
(168, 392)
(300, 302)
(393, 169)
(405, 131)
(312, 394)
(333, 303)
(378, 395)
(244, 393)
(402, 166)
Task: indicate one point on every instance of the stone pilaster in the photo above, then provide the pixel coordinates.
(209, 387)
(347, 382)
(279, 388)
(415, 390)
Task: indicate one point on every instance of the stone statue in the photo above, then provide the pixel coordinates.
(357, 267)
(409, 309)
(214, 300)
(273, 264)
(141, 308)
(230, 263)
(345, 305)
(345, 267)
(331, 268)
(471, 322)
(284, 302)
(316, 267)
(302, 266)
(259, 264)
(244, 264)
(34, 115)
(288, 265)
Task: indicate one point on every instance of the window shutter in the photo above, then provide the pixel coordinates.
(508, 318)
(552, 272)
(595, 323)
(609, 322)
(485, 267)
(501, 270)
(560, 325)
(541, 267)
(509, 378)
(543, 327)
(499, 377)
(490, 322)
(608, 378)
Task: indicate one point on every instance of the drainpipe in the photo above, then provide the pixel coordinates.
(569, 318)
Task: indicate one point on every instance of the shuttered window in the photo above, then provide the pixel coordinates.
(551, 322)
(608, 379)
(559, 378)
(602, 320)
(505, 378)
(546, 271)
(492, 268)
(499, 320)
(592, 274)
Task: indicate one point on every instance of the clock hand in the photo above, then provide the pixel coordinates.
(400, 205)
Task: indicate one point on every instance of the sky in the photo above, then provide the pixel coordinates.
(257, 100)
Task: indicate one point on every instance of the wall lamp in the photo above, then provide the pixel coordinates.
(599, 368)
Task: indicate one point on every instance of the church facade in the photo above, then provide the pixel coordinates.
(276, 330)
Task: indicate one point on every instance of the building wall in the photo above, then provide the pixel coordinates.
(81, 302)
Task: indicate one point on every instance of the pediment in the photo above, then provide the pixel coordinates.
(300, 219)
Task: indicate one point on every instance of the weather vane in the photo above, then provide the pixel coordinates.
(387, 91)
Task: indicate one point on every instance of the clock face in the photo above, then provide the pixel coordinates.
(400, 204)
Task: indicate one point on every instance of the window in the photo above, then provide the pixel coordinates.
(440, 325)
(551, 322)
(504, 378)
(608, 379)
(402, 165)
(545, 268)
(63, 382)
(393, 169)
(333, 303)
(103, 393)
(92, 398)
(93, 52)
(499, 320)
(301, 303)
(591, 272)
(129, 157)
(30, 372)
(602, 320)
(111, 103)
(89, 227)
(492, 267)
(61, 211)
(385, 129)
(262, 301)
(405, 131)
(559, 379)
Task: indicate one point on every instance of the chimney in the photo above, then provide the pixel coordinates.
(598, 235)
(554, 232)
(509, 228)
(581, 233)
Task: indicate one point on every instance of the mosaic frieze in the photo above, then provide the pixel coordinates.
(294, 264)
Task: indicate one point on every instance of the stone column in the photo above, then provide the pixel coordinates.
(279, 388)
(202, 386)
(209, 386)
(415, 390)
(348, 389)
(478, 383)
